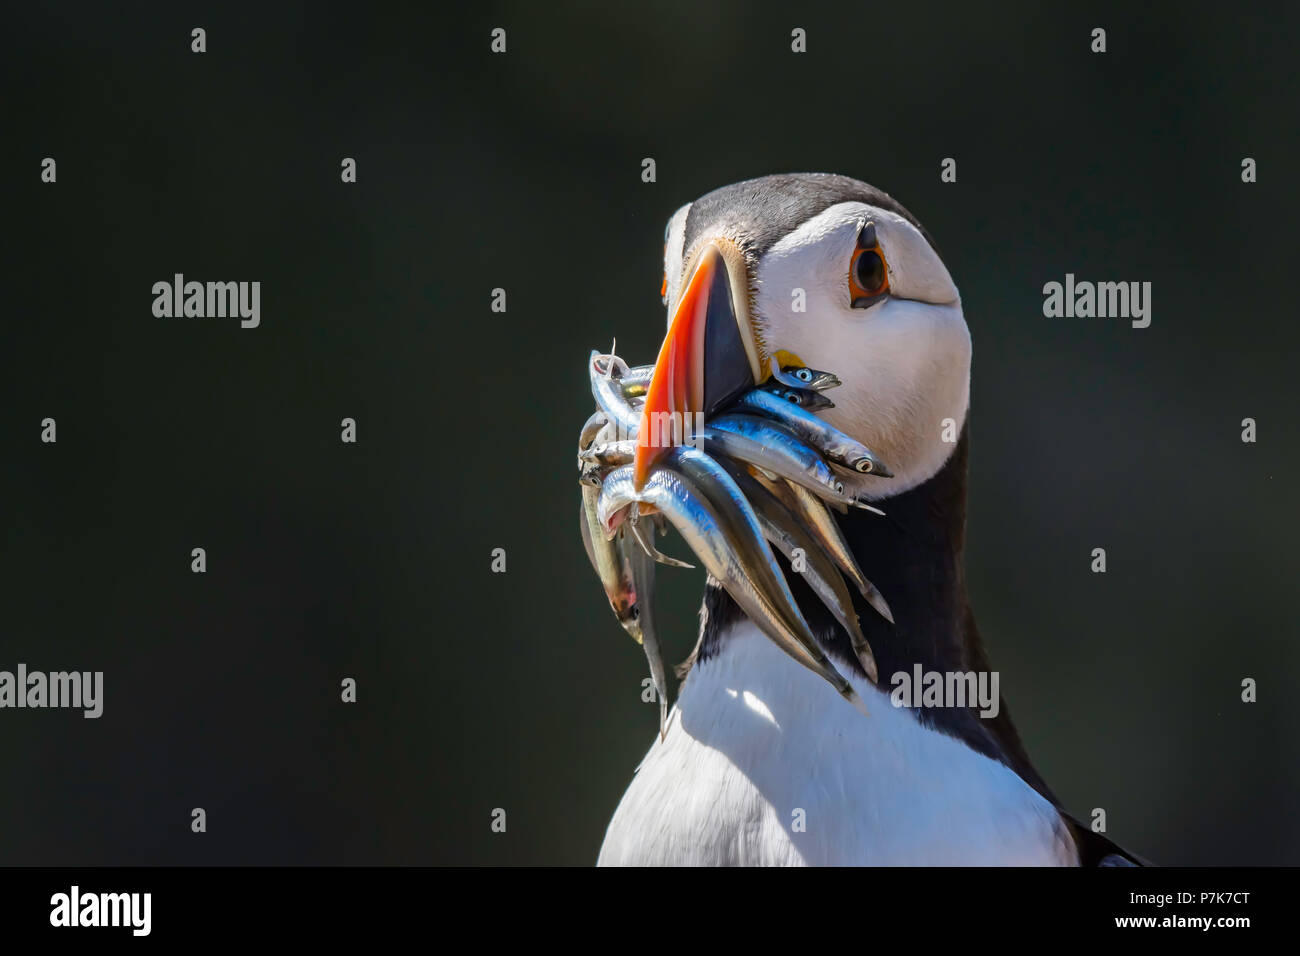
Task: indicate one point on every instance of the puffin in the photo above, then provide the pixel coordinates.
(761, 764)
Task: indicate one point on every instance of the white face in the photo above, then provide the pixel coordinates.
(674, 255)
(904, 358)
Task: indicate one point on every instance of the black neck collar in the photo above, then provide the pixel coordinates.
(915, 556)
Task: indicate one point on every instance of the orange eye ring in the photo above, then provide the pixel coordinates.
(868, 275)
(868, 271)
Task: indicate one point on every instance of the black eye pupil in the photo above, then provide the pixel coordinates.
(870, 271)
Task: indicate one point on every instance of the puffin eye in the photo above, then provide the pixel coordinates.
(869, 271)
(868, 274)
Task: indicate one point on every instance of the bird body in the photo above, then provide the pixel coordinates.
(761, 763)
(762, 767)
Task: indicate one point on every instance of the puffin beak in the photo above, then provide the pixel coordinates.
(709, 357)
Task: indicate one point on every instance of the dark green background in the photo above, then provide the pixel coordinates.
(523, 171)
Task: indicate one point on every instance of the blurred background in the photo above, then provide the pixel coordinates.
(475, 171)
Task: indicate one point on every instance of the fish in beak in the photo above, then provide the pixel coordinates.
(711, 355)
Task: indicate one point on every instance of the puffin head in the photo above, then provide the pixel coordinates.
(820, 271)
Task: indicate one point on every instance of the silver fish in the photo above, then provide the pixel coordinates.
(595, 461)
(584, 526)
(798, 376)
(590, 474)
(590, 429)
(773, 447)
(805, 383)
(643, 576)
(745, 533)
(636, 381)
(821, 435)
(784, 529)
(688, 511)
(604, 371)
(805, 398)
(815, 516)
(610, 453)
(609, 560)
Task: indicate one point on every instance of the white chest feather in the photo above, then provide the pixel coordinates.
(764, 764)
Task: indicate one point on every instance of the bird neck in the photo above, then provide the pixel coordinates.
(915, 556)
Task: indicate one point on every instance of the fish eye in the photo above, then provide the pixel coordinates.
(804, 375)
(792, 397)
(865, 466)
(839, 487)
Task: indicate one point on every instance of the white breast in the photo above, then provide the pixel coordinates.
(764, 764)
